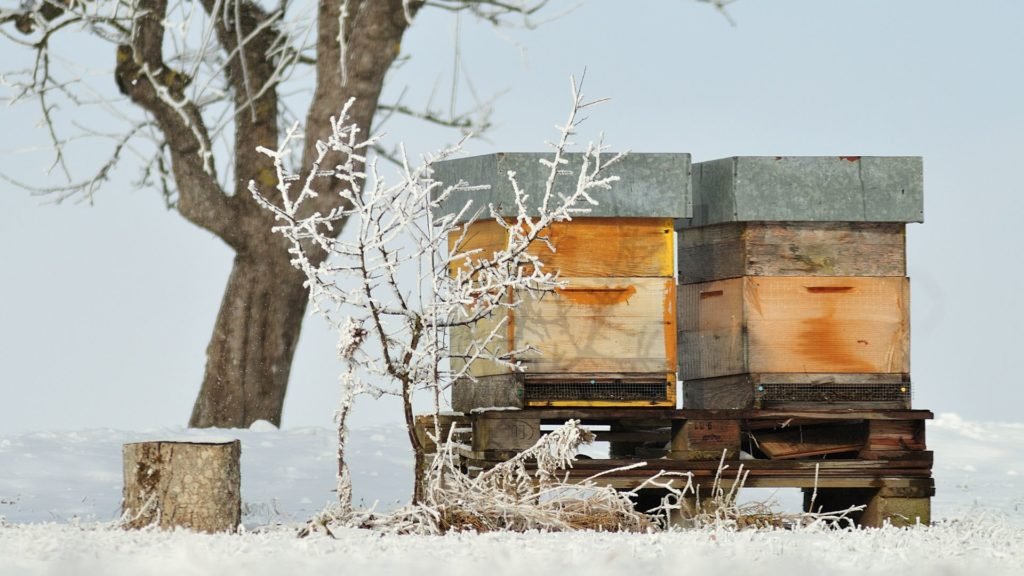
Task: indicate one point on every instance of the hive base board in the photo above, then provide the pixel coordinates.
(573, 389)
(799, 391)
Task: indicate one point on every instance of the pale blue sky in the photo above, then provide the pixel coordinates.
(105, 311)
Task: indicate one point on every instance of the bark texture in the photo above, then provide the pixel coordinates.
(249, 357)
(182, 485)
(250, 353)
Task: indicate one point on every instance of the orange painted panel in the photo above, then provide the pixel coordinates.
(834, 324)
(795, 325)
(586, 247)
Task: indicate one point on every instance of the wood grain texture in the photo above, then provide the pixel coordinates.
(714, 435)
(851, 324)
(585, 247)
(495, 391)
(897, 512)
(792, 249)
(600, 325)
(899, 435)
(803, 442)
(505, 434)
(190, 485)
(607, 415)
(461, 341)
(735, 392)
(794, 324)
(712, 338)
(456, 424)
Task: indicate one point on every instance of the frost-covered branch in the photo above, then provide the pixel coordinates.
(404, 275)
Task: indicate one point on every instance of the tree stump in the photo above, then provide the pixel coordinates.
(192, 485)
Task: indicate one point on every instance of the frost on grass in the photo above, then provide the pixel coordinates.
(526, 492)
(971, 547)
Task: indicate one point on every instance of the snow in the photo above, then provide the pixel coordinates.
(60, 492)
(975, 547)
(287, 475)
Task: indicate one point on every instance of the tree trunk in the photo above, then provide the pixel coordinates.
(250, 354)
(182, 484)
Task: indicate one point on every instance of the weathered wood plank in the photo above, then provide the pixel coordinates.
(712, 337)
(878, 468)
(899, 435)
(712, 253)
(898, 512)
(802, 442)
(495, 391)
(796, 391)
(725, 392)
(464, 340)
(897, 455)
(704, 439)
(600, 325)
(424, 429)
(808, 481)
(584, 247)
(512, 434)
(605, 415)
(792, 249)
(849, 324)
(794, 324)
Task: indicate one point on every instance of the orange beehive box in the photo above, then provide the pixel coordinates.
(608, 336)
(795, 325)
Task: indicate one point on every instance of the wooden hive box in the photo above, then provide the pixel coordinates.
(793, 282)
(795, 325)
(608, 338)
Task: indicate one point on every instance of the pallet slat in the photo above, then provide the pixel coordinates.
(606, 415)
(801, 442)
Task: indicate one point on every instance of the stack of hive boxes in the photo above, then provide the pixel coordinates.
(608, 338)
(793, 290)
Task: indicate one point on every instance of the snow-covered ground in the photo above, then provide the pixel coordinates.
(60, 492)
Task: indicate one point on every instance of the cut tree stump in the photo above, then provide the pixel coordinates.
(190, 485)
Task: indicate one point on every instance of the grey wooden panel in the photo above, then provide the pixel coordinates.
(736, 249)
(498, 391)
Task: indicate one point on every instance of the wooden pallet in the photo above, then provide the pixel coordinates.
(877, 458)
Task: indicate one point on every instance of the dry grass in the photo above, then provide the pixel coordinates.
(530, 492)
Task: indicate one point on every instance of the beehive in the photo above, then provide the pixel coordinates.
(609, 337)
(793, 282)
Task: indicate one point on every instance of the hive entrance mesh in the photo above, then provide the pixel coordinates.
(588, 390)
(832, 392)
